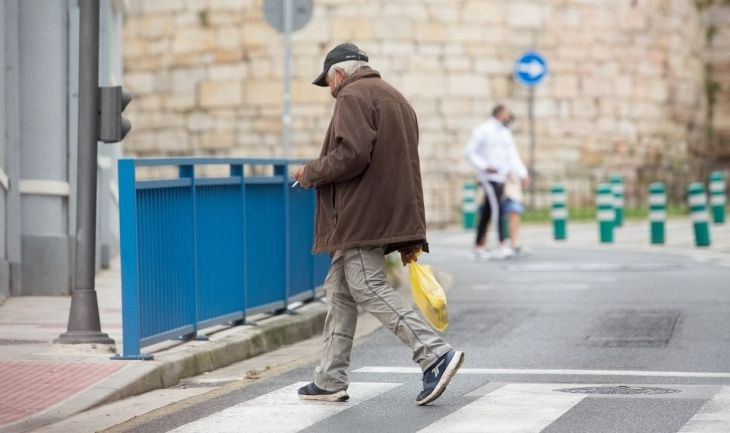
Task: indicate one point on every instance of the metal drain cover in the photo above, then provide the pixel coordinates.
(619, 390)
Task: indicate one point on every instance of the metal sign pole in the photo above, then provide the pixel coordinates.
(530, 69)
(83, 321)
(287, 16)
(286, 114)
(531, 119)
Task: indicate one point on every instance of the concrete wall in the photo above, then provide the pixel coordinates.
(717, 83)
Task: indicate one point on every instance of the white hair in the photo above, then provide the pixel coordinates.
(348, 67)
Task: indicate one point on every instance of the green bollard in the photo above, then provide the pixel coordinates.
(698, 211)
(717, 196)
(617, 187)
(605, 214)
(559, 212)
(657, 212)
(469, 205)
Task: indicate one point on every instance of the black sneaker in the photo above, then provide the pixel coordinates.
(438, 376)
(311, 391)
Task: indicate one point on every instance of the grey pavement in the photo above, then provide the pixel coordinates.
(576, 337)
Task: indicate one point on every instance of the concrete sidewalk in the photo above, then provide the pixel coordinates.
(44, 383)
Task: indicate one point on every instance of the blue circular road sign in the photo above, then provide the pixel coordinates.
(531, 68)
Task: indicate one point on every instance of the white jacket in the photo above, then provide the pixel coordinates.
(491, 145)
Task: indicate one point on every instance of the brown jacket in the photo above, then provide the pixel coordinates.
(368, 176)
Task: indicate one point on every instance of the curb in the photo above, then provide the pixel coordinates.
(189, 359)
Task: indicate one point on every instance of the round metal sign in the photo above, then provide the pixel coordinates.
(301, 13)
(531, 68)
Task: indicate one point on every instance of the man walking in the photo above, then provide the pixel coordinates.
(369, 203)
(492, 152)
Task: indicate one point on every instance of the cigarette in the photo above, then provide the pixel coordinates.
(295, 184)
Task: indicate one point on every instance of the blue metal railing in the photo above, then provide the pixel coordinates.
(200, 251)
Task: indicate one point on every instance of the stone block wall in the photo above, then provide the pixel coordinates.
(717, 81)
(625, 89)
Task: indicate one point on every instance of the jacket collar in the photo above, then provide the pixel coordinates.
(364, 72)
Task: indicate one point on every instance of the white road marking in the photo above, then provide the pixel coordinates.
(548, 372)
(713, 417)
(589, 267)
(281, 411)
(514, 408)
(535, 286)
(535, 278)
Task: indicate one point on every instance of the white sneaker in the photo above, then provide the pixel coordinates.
(506, 252)
(482, 254)
(521, 251)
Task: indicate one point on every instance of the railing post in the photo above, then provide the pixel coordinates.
(282, 169)
(313, 261)
(237, 170)
(188, 171)
(313, 209)
(131, 322)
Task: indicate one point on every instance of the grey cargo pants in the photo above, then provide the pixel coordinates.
(357, 277)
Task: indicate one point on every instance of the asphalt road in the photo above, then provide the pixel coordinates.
(565, 340)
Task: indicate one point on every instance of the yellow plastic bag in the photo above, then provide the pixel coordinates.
(429, 295)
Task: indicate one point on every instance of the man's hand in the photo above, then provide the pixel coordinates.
(408, 256)
(525, 182)
(298, 174)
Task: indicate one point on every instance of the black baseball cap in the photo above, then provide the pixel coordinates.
(340, 53)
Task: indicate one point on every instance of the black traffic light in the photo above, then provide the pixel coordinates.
(112, 125)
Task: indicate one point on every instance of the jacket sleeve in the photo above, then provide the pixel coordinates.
(354, 139)
(517, 167)
(473, 151)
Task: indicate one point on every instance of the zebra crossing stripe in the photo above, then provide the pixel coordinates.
(714, 417)
(513, 408)
(281, 411)
(553, 372)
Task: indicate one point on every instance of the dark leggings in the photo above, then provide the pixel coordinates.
(485, 213)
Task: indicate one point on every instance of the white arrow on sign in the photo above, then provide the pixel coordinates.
(533, 68)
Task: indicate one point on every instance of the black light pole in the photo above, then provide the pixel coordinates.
(83, 321)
